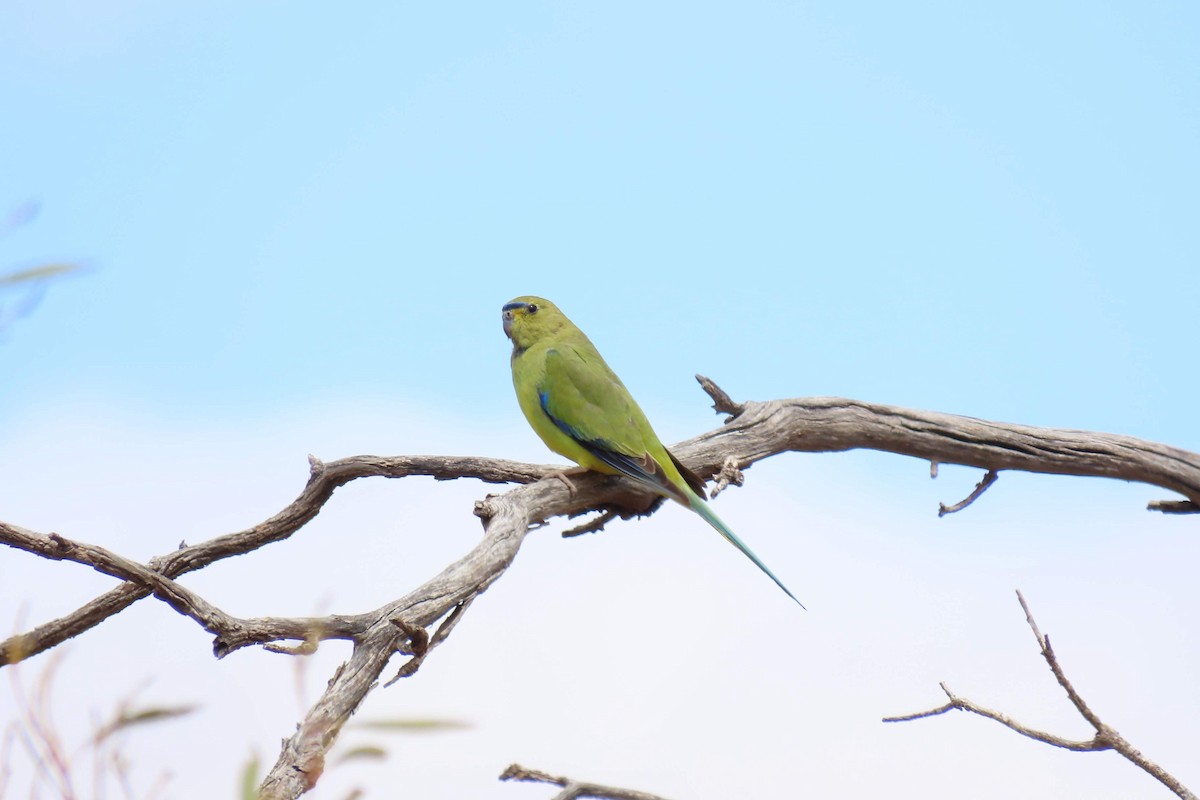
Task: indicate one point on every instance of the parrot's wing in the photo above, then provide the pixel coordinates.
(586, 401)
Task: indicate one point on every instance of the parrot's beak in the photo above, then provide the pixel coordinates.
(509, 312)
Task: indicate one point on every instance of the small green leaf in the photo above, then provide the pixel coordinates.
(366, 752)
(127, 719)
(413, 725)
(37, 273)
(250, 778)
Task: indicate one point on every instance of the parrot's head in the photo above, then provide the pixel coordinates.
(530, 319)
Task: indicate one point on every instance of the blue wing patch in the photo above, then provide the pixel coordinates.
(644, 470)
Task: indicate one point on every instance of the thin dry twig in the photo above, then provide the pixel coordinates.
(608, 513)
(1106, 737)
(722, 402)
(957, 703)
(571, 788)
(1173, 506)
(63, 769)
(979, 489)
(594, 525)
(425, 645)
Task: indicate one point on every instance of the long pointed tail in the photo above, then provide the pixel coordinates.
(703, 509)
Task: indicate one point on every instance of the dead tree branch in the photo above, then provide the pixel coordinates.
(835, 424)
(979, 489)
(759, 430)
(572, 789)
(1106, 737)
(756, 431)
(323, 480)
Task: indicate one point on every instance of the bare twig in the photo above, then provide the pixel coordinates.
(722, 403)
(591, 526)
(572, 789)
(1106, 737)
(963, 704)
(1173, 506)
(423, 647)
(608, 513)
(1103, 732)
(979, 489)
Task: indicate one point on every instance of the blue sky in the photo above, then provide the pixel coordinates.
(299, 225)
(924, 207)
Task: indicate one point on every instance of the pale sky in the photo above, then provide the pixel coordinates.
(299, 225)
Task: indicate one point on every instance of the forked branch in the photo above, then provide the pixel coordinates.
(1106, 737)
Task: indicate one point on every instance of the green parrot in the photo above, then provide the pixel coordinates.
(581, 410)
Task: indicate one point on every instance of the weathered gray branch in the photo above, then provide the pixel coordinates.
(832, 424)
(757, 430)
(322, 482)
(572, 789)
(1106, 737)
(760, 430)
(975, 494)
(506, 519)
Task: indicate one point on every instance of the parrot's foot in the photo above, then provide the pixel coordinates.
(562, 476)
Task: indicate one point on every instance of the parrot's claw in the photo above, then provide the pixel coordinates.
(562, 476)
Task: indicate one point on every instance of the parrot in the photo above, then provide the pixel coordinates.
(580, 409)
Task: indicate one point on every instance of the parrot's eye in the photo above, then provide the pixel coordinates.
(531, 308)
